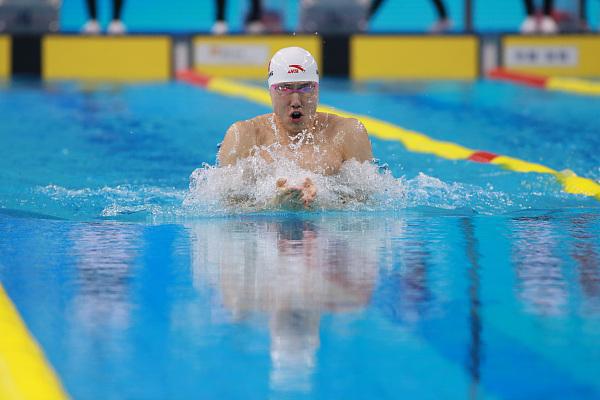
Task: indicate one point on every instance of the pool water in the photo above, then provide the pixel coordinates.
(473, 282)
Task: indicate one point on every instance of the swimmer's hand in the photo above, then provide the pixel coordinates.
(295, 197)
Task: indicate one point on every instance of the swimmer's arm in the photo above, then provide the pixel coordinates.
(356, 146)
(356, 143)
(237, 144)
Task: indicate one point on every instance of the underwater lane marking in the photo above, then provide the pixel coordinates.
(569, 85)
(24, 371)
(413, 141)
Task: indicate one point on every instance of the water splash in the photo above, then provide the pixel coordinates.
(427, 191)
(251, 185)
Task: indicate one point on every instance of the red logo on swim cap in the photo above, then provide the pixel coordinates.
(295, 69)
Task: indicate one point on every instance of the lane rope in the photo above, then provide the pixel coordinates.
(24, 370)
(413, 141)
(569, 85)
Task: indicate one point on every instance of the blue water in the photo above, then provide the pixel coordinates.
(480, 283)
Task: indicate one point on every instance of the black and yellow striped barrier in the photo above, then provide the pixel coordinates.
(360, 57)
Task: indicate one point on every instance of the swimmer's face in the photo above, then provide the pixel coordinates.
(295, 104)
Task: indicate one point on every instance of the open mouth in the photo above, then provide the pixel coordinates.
(296, 115)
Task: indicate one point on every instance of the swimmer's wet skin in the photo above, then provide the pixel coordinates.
(317, 142)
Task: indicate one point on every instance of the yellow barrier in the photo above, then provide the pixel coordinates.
(414, 57)
(129, 58)
(246, 57)
(418, 142)
(5, 56)
(24, 372)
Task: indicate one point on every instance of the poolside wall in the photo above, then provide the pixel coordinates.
(360, 57)
(124, 58)
(414, 57)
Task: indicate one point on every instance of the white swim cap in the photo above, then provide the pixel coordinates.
(293, 64)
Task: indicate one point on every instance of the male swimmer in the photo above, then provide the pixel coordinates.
(315, 141)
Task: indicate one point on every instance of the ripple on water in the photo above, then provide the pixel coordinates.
(250, 186)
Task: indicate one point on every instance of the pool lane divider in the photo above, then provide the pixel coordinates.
(24, 372)
(413, 141)
(569, 85)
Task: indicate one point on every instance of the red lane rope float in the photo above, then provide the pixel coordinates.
(413, 141)
(518, 77)
(193, 77)
(482, 156)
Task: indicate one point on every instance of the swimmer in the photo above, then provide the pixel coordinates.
(315, 141)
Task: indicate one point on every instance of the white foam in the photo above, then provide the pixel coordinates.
(250, 185)
(427, 191)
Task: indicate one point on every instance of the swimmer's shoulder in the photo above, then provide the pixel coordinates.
(251, 128)
(350, 136)
(262, 120)
(335, 124)
(262, 128)
(257, 124)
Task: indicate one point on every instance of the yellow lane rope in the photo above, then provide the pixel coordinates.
(24, 372)
(574, 85)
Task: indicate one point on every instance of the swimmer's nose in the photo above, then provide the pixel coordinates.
(295, 101)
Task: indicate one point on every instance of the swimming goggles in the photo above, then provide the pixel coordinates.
(289, 88)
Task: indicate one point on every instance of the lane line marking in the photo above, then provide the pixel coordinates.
(24, 371)
(413, 141)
